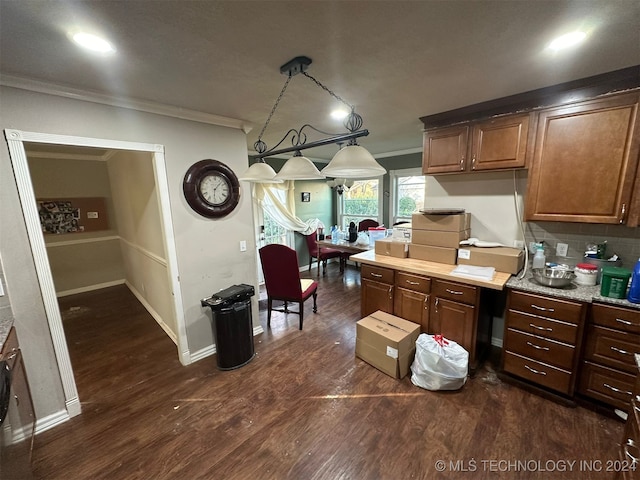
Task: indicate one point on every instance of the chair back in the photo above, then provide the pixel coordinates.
(281, 271)
(311, 243)
(367, 223)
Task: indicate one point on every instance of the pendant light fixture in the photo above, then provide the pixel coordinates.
(352, 161)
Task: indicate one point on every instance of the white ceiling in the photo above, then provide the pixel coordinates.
(395, 60)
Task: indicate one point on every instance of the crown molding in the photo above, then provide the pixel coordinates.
(129, 103)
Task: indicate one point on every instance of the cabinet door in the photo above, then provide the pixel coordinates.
(445, 150)
(500, 143)
(454, 321)
(412, 306)
(376, 296)
(585, 162)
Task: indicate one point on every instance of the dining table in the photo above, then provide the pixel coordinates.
(345, 247)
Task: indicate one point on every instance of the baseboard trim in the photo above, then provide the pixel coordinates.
(153, 313)
(51, 421)
(496, 342)
(90, 288)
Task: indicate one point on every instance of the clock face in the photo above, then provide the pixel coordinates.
(215, 189)
(211, 188)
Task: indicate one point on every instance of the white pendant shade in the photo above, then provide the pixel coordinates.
(260, 172)
(299, 168)
(353, 161)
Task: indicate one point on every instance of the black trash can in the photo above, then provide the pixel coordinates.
(232, 325)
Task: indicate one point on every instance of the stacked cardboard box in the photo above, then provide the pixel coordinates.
(435, 238)
(503, 259)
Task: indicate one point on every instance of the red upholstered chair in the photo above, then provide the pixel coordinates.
(283, 282)
(367, 223)
(323, 256)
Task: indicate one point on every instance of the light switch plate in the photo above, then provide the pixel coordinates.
(243, 245)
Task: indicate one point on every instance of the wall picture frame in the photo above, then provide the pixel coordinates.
(305, 196)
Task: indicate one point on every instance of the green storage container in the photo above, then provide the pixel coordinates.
(614, 282)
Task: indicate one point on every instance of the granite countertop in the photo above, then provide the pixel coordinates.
(580, 293)
(5, 326)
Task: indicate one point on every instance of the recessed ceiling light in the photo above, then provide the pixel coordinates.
(567, 40)
(339, 113)
(93, 42)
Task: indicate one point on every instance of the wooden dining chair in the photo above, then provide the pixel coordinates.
(320, 254)
(366, 224)
(283, 282)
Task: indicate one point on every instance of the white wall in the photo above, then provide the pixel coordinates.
(208, 252)
(488, 196)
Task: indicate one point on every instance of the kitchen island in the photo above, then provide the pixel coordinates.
(459, 308)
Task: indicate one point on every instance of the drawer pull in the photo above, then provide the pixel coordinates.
(546, 329)
(537, 372)
(537, 347)
(453, 292)
(533, 305)
(426, 303)
(623, 352)
(412, 283)
(627, 322)
(617, 390)
(377, 275)
(634, 459)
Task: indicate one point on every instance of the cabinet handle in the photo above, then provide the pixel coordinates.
(622, 212)
(623, 352)
(533, 370)
(453, 292)
(412, 283)
(473, 163)
(426, 302)
(377, 275)
(462, 163)
(634, 459)
(617, 390)
(546, 329)
(626, 322)
(390, 291)
(533, 305)
(537, 347)
(436, 304)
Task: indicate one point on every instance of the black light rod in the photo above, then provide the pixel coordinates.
(317, 143)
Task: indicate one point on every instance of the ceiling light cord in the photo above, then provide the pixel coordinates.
(260, 146)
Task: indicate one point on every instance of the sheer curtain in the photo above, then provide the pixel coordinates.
(278, 200)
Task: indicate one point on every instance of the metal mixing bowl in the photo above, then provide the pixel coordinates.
(551, 277)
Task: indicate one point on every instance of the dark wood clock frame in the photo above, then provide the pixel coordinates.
(191, 188)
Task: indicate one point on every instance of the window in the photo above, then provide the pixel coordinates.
(407, 195)
(362, 200)
(273, 232)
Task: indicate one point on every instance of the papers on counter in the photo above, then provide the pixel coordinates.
(471, 271)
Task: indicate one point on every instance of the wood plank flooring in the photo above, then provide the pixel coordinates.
(304, 408)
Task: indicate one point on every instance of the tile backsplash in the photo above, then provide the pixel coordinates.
(621, 240)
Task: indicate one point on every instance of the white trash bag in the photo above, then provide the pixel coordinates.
(439, 364)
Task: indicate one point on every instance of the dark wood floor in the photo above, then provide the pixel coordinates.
(304, 408)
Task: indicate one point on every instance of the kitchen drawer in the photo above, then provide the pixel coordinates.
(544, 327)
(547, 307)
(455, 291)
(10, 348)
(379, 274)
(612, 347)
(606, 384)
(630, 448)
(541, 349)
(538, 372)
(417, 283)
(615, 317)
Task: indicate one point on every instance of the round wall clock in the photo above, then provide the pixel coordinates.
(211, 188)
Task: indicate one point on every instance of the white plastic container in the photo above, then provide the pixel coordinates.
(586, 274)
(539, 258)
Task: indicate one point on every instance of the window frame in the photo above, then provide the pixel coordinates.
(340, 204)
(394, 175)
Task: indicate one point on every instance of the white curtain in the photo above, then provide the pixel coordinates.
(278, 200)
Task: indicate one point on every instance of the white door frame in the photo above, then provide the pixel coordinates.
(18, 156)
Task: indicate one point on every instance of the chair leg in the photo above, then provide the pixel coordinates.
(315, 307)
(301, 309)
(269, 302)
(286, 307)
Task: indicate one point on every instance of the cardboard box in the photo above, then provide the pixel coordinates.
(392, 248)
(447, 223)
(437, 238)
(503, 259)
(387, 342)
(433, 254)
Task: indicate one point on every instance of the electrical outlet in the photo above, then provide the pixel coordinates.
(518, 244)
(243, 245)
(562, 249)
